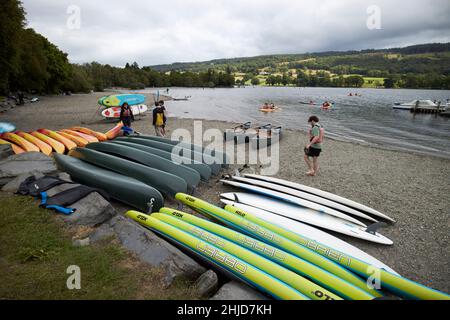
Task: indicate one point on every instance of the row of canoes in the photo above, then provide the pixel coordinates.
(58, 141)
(258, 137)
(141, 170)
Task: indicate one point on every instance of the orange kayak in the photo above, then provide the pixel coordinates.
(57, 146)
(69, 144)
(114, 132)
(88, 137)
(44, 147)
(100, 136)
(80, 142)
(15, 147)
(24, 144)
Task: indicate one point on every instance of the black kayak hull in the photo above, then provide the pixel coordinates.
(122, 188)
(203, 169)
(188, 153)
(134, 155)
(220, 157)
(164, 182)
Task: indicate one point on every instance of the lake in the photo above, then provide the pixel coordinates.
(367, 119)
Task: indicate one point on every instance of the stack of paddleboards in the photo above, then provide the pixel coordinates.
(299, 263)
(290, 204)
(258, 137)
(61, 141)
(113, 104)
(141, 170)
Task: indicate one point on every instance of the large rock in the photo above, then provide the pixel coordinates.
(102, 233)
(15, 183)
(155, 251)
(91, 211)
(238, 291)
(207, 284)
(6, 151)
(25, 163)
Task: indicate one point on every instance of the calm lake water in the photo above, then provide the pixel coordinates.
(367, 119)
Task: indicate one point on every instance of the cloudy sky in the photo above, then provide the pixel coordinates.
(164, 31)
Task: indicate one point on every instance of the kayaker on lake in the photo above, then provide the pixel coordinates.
(126, 116)
(314, 148)
(160, 119)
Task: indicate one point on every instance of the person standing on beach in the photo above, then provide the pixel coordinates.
(159, 119)
(314, 148)
(126, 116)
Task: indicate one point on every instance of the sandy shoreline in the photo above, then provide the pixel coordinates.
(411, 188)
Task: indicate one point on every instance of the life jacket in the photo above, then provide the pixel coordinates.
(63, 200)
(126, 112)
(159, 119)
(33, 187)
(321, 136)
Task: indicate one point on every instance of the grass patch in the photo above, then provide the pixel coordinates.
(36, 250)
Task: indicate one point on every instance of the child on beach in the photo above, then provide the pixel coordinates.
(126, 116)
(314, 148)
(160, 119)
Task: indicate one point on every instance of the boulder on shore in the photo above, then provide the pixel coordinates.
(5, 151)
(24, 163)
(207, 284)
(91, 211)
(238, 291)
(155, 251)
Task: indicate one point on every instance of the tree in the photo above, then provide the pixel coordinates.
(255, 81)
(12, 20)
(389, 83)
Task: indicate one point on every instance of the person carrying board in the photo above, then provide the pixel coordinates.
(126, 116)
(160, 119)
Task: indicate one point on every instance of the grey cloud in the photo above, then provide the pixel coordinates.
(154, 32)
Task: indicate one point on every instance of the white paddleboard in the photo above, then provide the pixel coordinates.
(305, 196)
(308, 216)
(294, 200)
(317, 236)
(322, 194)
(115, 111)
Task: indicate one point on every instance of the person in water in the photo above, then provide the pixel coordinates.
(159, 119)
(314, 148)
(326, 105)
(126, 116)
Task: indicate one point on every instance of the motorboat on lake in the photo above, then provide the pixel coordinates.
(422, 104)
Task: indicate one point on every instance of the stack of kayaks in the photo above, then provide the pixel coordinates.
(110, 165)
(258, 137)
(113, 104)
(49, 141)
(279, 262)
(300, 204)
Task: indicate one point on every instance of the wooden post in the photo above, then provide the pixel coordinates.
(438, 108)
(416, 107)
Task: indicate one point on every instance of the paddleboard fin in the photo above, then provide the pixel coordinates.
(372, 229)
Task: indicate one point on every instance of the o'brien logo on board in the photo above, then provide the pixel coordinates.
(262, 151)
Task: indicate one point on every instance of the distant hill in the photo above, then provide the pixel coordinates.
(419, 66)
(371, 58)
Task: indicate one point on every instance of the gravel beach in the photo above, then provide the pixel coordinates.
(412, 189)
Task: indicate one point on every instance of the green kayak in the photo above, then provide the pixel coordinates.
(203, 169)
(190, 176)
(122, 188)
(180, 151)
(220, 156)
(164, 182)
